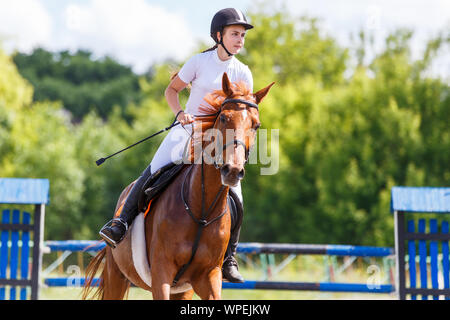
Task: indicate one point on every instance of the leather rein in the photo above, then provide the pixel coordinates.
(202, 222)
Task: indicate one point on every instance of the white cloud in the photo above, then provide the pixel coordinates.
(134, 32)
(140, 32)
(379, 18)
(340, 18)
(419, 14)
(24, 24)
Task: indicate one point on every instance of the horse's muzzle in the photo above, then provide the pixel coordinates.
(231, 174)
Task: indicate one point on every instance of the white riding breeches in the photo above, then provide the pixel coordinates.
(172, 147)
(172, 150)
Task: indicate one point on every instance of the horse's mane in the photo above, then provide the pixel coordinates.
(215, 98)
(208, 115)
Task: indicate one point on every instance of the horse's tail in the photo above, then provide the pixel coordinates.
(91, 271)
(112, 284)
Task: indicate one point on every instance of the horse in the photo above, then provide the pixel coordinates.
(172, 238)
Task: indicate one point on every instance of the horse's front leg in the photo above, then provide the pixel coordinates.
(187, 295)
(209, 284)
(163, 273)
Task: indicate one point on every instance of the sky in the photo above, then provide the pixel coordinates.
(139, 33)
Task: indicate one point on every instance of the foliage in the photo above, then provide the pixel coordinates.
(350, 126)
(77, 80)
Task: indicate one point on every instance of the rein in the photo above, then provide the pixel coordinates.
(202, 222)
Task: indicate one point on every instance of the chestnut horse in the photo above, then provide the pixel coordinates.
(172, 223)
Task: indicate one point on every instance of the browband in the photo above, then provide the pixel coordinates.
(248, 103)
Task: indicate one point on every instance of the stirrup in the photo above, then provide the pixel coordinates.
(112, 243)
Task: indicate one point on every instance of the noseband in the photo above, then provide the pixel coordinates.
(235, 142)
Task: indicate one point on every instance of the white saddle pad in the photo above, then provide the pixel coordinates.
(139, 254)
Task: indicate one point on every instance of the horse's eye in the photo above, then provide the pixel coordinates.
(222, 118)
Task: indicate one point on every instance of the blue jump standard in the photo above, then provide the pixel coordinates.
(24, 191)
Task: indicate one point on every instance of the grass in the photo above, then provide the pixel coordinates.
(140, 294)
(300, 269)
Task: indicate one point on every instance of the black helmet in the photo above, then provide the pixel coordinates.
(227, 17)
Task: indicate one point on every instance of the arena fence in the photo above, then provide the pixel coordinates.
(15, 244)
(255, 248)
(423, 209)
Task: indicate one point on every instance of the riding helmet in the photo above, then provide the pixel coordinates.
(227, 17)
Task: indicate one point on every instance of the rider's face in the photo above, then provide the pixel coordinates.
(233, 38)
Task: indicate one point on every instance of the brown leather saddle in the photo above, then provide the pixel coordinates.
(157, 183)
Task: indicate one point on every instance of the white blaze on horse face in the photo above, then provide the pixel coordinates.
(234, 153)
(244, 114)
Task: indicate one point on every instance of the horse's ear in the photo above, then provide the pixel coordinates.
(226, 85)
(262, 93)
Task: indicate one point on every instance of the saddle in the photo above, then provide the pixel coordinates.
(157, 183)
(161, 179)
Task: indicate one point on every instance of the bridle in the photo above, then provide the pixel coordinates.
(235, 142)
(202, 222)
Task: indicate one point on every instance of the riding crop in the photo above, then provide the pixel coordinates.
(101, 160)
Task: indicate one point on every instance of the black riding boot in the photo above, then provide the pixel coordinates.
(114, 231)
(230, 267)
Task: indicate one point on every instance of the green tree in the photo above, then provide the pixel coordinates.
(37, 143)
(79, 81)
(349, 130)
(344, 140)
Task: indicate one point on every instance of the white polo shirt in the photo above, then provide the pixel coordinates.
(205, 71)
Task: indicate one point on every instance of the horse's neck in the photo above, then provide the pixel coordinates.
(212, 185)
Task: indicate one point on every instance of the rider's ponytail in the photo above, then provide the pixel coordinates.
(211, 49)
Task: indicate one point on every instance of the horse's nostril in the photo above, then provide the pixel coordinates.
(241, 174)
(225, 169)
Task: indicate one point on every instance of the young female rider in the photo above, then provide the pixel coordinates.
(204, 71)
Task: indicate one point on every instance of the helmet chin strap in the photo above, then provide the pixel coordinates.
(223, 45)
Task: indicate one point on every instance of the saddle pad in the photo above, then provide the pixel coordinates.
(139, 254)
